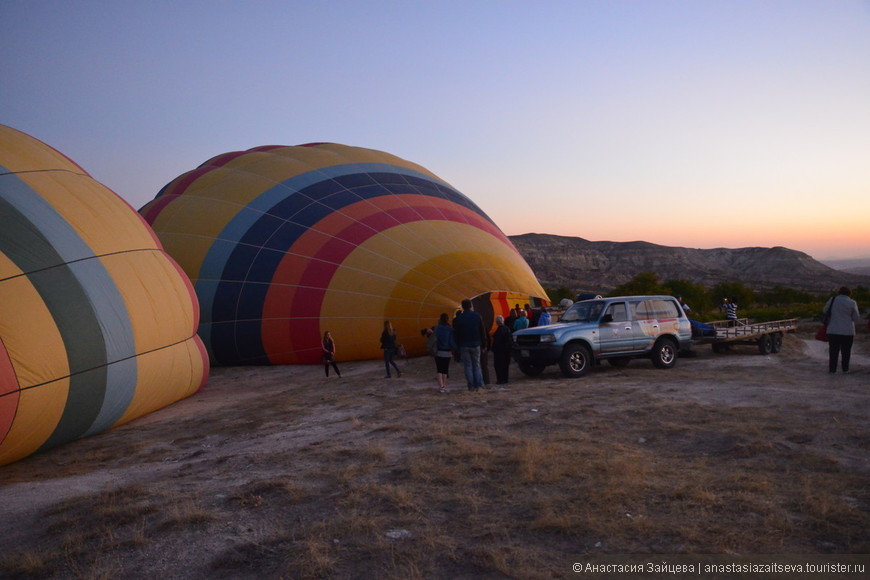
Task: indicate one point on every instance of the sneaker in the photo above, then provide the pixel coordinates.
(442, 390)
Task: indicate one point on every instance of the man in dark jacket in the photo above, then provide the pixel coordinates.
(470, 338)
(501, 350)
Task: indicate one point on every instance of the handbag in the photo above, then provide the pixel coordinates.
(822, 332)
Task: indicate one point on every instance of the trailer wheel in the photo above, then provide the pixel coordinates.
(664, 353)
(764, 344)
(776, 342)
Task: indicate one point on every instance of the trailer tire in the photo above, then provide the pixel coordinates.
(764, 344)
(776, 342)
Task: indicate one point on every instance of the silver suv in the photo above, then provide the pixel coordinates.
(617, 329)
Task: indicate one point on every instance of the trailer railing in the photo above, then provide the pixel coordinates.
(744, 328)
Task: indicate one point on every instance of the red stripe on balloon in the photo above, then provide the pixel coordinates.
(10, 394)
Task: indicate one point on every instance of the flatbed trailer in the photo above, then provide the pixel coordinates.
(767, 336)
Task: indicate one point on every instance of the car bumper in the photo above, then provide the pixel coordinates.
(538, 355)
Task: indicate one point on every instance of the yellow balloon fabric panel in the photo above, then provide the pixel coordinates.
(90, 306)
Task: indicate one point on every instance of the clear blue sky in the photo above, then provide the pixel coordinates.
(698, 124)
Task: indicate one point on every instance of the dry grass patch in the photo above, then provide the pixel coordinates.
(389, 479)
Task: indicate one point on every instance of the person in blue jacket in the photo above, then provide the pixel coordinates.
(445, 345)
(522, 321)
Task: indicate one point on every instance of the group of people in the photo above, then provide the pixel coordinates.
(520, 318)
(468, 338)
(389, 345)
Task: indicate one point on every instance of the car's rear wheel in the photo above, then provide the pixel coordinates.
(576, 360)
(664, 353)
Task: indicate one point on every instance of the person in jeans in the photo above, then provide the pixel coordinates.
(388, 344)
(470, 336)
(841, 328)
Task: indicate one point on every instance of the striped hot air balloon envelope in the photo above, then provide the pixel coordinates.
(97, 323)
(285, 243)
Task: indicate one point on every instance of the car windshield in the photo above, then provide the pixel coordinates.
(585, 311)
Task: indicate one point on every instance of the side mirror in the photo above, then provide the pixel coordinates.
(606, 318)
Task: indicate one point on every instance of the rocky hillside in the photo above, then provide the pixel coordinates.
(585, 266)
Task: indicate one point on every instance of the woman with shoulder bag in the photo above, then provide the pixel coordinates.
(843, 314)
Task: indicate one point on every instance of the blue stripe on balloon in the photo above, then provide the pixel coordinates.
(65, 250)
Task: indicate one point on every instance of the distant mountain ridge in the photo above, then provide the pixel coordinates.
(585, 266)
(853, 266)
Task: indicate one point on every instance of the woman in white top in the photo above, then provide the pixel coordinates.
(844, 314)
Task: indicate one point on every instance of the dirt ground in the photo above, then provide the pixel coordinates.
(278, 472)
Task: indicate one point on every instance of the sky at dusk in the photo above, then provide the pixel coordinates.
(699, 124)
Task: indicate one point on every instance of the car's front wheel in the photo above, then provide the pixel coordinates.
(576, 360)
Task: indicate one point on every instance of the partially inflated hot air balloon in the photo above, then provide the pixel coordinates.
(285, 243)
(97, 323)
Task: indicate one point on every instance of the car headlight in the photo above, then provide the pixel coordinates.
(548, 338)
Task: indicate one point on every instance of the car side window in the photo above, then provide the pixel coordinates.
(666, 309)
(617, 311)
(643, 310)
